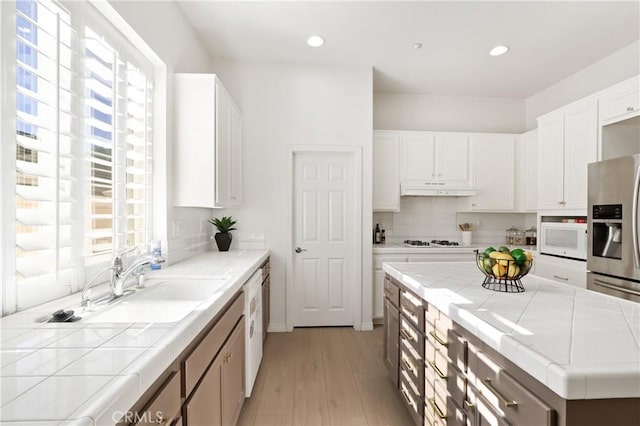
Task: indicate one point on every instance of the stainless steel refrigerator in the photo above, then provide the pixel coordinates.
(613, 246)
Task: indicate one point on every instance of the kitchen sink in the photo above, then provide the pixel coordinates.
(165, 301)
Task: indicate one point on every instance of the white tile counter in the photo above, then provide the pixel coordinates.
(581, 344)
(399, 248)
(91, 373)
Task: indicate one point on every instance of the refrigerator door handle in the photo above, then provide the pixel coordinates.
(634, 219)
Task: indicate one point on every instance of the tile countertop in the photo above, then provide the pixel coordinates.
(581, 344)
(91, 373)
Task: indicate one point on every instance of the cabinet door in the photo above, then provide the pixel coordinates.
(527, 172)
(495, 158)
(452, 153)
(386, 172)
(391, 338)
(417, 157)
(235, 185)
(265, 307)
(551, 162)
(223, 146)
(620, 102)
(205, 406)
(233, 376)
(580, 149)
(378, 295)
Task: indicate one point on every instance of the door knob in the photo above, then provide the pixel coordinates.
(300, 250)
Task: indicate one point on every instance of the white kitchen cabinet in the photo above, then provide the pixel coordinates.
(208, 143)
(386, 171)
(495, 158)
(620, 102)
(438, 160)
(567, 142)
(527, 172)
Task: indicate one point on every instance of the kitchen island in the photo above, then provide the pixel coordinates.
(565, 345)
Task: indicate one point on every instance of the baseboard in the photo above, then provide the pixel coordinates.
(366, 326)
(277, 328)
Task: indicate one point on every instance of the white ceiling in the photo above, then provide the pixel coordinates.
(549, 40)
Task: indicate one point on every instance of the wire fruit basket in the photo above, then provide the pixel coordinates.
(502, 272)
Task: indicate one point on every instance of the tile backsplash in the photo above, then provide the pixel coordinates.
(438, 217)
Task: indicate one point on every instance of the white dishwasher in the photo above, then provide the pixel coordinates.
(253, 329)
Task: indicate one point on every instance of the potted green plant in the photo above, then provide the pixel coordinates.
(223, 236)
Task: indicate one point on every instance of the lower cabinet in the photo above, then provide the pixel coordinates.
(266, 295)
(218, 398)
(204, 385)
(391, 340)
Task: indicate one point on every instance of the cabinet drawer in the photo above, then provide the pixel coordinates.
(573, 272)
(165, 406)
(412, 364)
(410, 335)
(391, 292)
(457, 350)
(482, 411)
(411, 398)
(198, 361)
(506, 394)
(431, 314)
(411, 307)
(439, 412)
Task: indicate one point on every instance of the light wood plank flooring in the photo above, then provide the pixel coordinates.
(324, 376)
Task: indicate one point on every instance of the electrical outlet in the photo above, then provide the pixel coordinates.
(176, 228)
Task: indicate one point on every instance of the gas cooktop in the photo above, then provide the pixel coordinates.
(432, 243)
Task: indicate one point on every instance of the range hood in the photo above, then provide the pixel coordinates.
(417, 190)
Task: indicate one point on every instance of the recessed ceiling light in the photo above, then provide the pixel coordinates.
(417, 45)
(499, 50)
(315, 41)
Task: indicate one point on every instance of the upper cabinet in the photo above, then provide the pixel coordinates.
(620, 102)
(386, 171)
(527, 172)
(494, 158)
(567, 142)
(438, 161)
(208, 143)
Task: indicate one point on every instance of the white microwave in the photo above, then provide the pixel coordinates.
(564, 239)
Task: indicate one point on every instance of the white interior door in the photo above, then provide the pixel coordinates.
(324, 238)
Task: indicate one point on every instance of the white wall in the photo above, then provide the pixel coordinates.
(283, 106)
(401, 111)
(610, 70)
(163, 27)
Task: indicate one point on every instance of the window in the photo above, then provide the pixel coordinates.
(82, 145)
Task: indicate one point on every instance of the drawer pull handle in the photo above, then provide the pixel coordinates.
(494, 391)
(406, 335)
(437, 370)
(468, 406)
(409, 367)
(409, 311)
(438, 411)
(561, 278)
(407, 398)
(437, 339)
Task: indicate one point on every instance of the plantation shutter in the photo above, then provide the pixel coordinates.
(45, 136)
(118, 139)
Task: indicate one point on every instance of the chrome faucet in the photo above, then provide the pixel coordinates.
(84, 301)
(120, 275)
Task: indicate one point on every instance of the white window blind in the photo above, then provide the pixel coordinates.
(83, 144)
(45, 184)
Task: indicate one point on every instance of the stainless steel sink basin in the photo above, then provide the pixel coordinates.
(161, 302)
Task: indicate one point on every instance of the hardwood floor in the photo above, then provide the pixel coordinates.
(323, 376)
